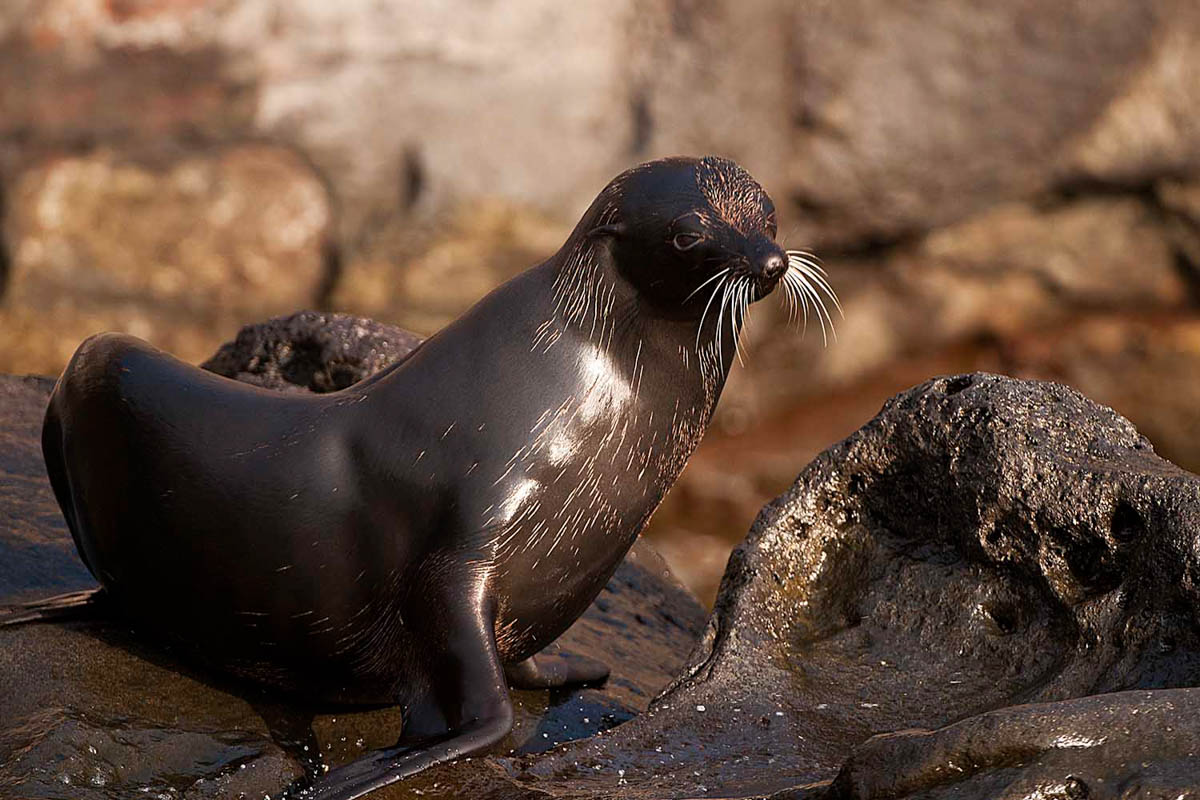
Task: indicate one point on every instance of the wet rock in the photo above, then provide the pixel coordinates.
(58, 753)
(37, 555)
(92, 711)
(1143, 744)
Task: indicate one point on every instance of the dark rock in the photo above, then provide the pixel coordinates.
(1143, 744)
(37, 556)
(311, 350)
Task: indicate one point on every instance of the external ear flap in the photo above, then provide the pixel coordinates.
(616, 229)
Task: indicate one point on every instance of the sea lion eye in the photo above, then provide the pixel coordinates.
(686, 240)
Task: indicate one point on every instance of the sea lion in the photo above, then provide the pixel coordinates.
(421, 535)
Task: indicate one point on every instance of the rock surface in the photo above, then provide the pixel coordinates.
(37, 555)
(311, 351)
(1137, 744)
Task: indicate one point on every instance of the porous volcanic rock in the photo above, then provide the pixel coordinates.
(311, 350)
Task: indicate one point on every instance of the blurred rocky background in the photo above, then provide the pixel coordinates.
(1013, 187)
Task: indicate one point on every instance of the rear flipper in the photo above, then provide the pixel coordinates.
(86, 604)
(466, 710)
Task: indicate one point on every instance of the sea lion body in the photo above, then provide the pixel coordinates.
(286, 529)
(417, 536)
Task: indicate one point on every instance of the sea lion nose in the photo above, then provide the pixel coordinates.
(773, 266)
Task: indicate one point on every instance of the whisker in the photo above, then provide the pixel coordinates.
(811, 265)
(734, 331)
(819, 307)
(747, 299)
(737, 315)
(700, 330)
(787, 302)
(822, 309)
(806, 287)
(793, 306)
(807, 256)
(747, 293)
(721, 321)
(822, 283)
(808, 277)
(706, 283)
(829, 291)
(797, 288)
(730, 299)
(816, 301)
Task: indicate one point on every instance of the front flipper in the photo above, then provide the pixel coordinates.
(384, 767)
(466, 711)
(545, 671)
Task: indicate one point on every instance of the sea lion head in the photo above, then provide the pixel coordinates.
(683, 229)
